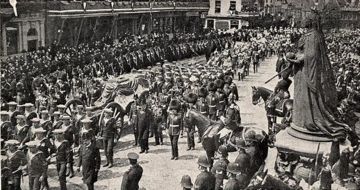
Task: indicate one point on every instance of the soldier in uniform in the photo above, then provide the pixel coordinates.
(63, 149)
(21, 132)
(222, 101)
(232, 114)
(37, 165)
(233, 170)
(12, 112)
(212, 101)
(219, 168)
(29, 113)
(5, 124)
(143, 125)
(69, 135)
(56, 120)
(133, 115)
(46, 147)
(132, 177)
(173, 124)
(15, 161)
(205, 180)
(108, 130)
(191, 99)
(89, 158)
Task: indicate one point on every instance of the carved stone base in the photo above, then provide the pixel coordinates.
(307, 148)
(303, 133)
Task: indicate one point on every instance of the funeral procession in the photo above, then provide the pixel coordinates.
(180, 94)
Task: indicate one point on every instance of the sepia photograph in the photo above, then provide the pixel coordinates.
(180, 94)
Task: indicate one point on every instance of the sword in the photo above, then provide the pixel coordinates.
(281, 72)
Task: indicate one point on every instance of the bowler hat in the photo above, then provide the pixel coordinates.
(186, 182)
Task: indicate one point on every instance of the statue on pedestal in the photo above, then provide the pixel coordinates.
(315, 101)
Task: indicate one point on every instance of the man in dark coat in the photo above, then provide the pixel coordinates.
(205, 180)
(143, 126)
(132, 177)
(37, 165)
(89, 159)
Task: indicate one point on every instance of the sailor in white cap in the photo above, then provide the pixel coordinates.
(16, 160)
(62, 156)
(37, 165)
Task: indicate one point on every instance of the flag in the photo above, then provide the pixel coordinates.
(13, 4)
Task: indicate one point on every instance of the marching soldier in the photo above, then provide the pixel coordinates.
(89, 158)
(37, 165)
(56, 120)
(174, 121)
(212, 101)
(108, 130)
(205, 180)
(29, 113)
(191, 99)
(21, 132)
(132, 177)
(47, 148)
(219, 168)
(69, 135)
(63, 156)
(15, 161)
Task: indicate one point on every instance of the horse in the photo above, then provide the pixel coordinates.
(210, 138)
(286, 105)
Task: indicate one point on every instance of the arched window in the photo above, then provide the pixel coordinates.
(32, 32)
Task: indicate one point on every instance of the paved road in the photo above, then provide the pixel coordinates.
(162, 173)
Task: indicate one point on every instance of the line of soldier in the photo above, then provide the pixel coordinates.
(31, 142)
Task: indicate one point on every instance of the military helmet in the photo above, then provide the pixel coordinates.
(203, 161)
(234, 168)
(223, 150)
(186, 182)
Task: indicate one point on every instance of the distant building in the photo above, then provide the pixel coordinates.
(227, 14)
(42, 22)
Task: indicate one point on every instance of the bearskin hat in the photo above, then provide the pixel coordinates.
(202, 92)
(211, 86)
(190, 98)
(219, 83)
(174, 105)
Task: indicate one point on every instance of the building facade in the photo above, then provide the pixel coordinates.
(43, 22)
(228, 14)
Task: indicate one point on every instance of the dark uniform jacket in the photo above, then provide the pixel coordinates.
(108, 128)
(232, 184)
(131, 178)
(143, 122)
(202, 106)
(212, 101)
(63, 151)
(37, 164)
(205, 181)
(89, 159)
(174, 123)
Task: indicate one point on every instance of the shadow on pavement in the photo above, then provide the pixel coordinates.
(188, 157)
(159, 151)
(108, 174)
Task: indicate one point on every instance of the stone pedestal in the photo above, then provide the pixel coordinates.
(303, 133)
(288, 143)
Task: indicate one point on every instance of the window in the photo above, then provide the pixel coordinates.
(217, 6)
(234, 24)
(232, 6)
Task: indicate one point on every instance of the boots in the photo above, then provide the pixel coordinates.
(71, 170)
(107, 162)
(111, 164)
